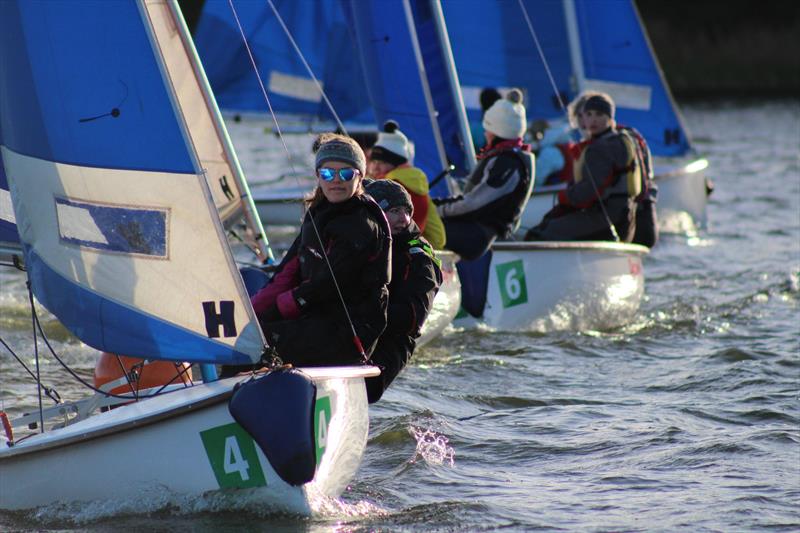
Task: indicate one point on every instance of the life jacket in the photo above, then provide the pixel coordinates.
(523, 191)
(612, 184)
(633, 169)
(570, 152)
(643, 157)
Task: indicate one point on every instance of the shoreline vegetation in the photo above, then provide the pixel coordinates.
(728, 49)
(709, 48)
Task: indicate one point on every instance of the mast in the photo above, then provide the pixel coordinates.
(573, 36)
(412, 31)
(455, 86)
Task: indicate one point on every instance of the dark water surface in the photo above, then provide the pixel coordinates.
(687, 419)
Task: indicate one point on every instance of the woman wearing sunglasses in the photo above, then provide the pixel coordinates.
(305, 312)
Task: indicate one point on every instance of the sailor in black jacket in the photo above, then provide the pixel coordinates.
(309, 315)
(416, 278)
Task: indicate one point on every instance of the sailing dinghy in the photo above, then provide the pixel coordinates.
(581, 55)
(123, 186)
(520, 284)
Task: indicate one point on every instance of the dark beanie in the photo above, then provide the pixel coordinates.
(334, 147)
(388, 194)
(602, 103)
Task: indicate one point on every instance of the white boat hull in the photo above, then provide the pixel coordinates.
(447, 300)
(280, 206)
(682, 198)
(547, 286)
(185, 444)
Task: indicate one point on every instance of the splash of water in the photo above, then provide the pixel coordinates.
(432, 447)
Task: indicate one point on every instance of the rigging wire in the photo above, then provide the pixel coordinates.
(291, 163)
(49, 391)
(36, 356)
(564, 110)
(306, 65)
(82, 381)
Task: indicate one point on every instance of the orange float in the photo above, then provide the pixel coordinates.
(148, 375)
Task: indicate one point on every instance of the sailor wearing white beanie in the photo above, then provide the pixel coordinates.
(392, 146)
(506, 118)
(497, 189)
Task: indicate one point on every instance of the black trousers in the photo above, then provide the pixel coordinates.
(391, 355)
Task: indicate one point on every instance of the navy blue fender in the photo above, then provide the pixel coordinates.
(474, 276)
(254, 279)
(277, 410)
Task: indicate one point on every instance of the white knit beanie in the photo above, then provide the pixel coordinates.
(393, 140)
(506, 117)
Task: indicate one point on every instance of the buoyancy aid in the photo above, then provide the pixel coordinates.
(512, 210)
(611, 184)
(633, 170)
(643, 157)
(570, 152)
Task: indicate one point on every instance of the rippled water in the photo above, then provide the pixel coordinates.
(685, 420)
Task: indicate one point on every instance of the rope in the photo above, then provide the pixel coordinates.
(36, 356)
(306, 65)
(564, 110)
(82, 381)
(49, 391)
(291, 163)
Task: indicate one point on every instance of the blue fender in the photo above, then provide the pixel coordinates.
(277, 410)
(474, 277)
(254, 279)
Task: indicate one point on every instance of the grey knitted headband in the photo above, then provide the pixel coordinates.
(344, 151)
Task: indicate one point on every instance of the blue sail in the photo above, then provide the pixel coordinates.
(394, 59)
(121, 236)
(622, 63)
(493, 47)
(322, 34)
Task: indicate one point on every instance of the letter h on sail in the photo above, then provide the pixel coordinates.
(224, 318)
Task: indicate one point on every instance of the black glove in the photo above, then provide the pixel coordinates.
(272, 314)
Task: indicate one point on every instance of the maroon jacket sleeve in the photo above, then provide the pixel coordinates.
(285, 280)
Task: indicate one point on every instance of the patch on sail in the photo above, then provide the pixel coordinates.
(6, 211)
(109, 228)
(295, 87)
(627, 95)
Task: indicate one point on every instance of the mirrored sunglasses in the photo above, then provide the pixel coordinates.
(345, 174)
